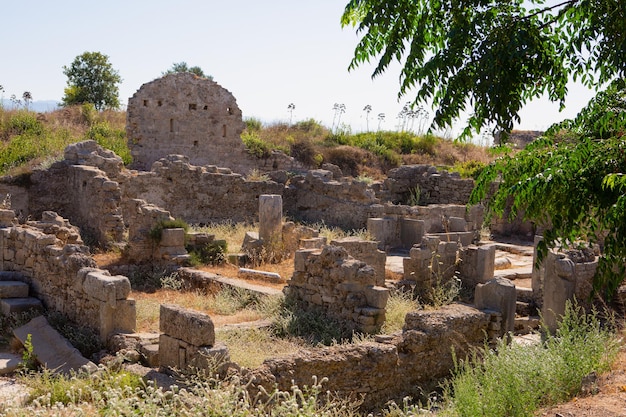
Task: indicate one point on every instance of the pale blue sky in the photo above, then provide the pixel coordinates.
(267, 53)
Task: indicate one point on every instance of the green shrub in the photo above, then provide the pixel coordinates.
(515, 380)
(109, 138)
(469, 169)
(253, 124)
(157, 230)
(23, 123)
(212, 253)
(255, 145)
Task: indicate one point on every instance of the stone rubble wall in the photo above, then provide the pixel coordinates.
(343, 287)
(49, 254)
(316, 197)
(435, 187)
(80, 188)
(401, 226)
(391, 368)
(365, 251)
(198, 194)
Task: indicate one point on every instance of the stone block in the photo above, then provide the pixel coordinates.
(172, 237)
(498, 295)
(176, 353)
(193, 327)
(377, 296)
(13, 289)
(300, 259)
(253, 274)
(270, 219)
(51, 349)
(150, 354)
(411, 232)
(106, 288)
(19, 305)
(457, 224)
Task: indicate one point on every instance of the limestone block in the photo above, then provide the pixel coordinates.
(173, 237)
(313, 243)
(191, 326)
(176, 353)
(106, 288)
(300, 259)
(457, 224)
(498, 295)
(377, 296)
(270, 219)
(411, 231)
(384, 230)
(13, 289)
(253, 274)
(51, 349)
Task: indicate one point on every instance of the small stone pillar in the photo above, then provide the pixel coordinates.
(477, 264)
(498, 295)
(270, 219)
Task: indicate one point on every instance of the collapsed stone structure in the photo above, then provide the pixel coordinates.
(50, 257)
(180, 128)
(185, 114)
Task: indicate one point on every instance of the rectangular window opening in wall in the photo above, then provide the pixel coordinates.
(159, 103)
(192, 106)
(145, 103)
(195, 143)
(205, 108)
(229, 110)
(171, 125)
(223, 131)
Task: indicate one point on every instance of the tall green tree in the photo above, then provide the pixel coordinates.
(490, 57)
(572, 182)
(92, 79)
(183, 67)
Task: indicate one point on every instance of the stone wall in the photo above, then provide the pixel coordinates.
(343, 287)
(317, 197)
(567, 275)
(198, 194)
(193, 116)
(80, 188)
(394, 366)
(435, 187)
(50, 256)
(401, 226)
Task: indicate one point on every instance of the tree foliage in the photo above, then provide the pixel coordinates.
(572, 181)
(183, 67)
(490, 56)
(92, 79)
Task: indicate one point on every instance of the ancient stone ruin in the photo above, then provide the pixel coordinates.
(190, 163)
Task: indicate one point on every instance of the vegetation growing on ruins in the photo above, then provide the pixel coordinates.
(28, 139)
(516, 380)
(572, 182)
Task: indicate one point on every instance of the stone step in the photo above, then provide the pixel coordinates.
(19, 305)
(524, 294)
(11, 276)
(527, 324)
(525, 309)
(13, 289)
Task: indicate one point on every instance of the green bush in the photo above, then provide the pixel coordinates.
(253, 124)
(23, 123)
(109, 138)
(157, 230)
(515, 380)
(469, 169)
(255, 145)
(212, 253)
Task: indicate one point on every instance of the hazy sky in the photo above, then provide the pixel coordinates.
(267, 53)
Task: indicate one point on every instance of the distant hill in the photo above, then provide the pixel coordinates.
(39, 106)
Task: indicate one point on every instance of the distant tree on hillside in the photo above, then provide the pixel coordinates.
(183, 67)
(92, 79)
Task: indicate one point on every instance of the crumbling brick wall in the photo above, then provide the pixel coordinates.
(50, 256)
